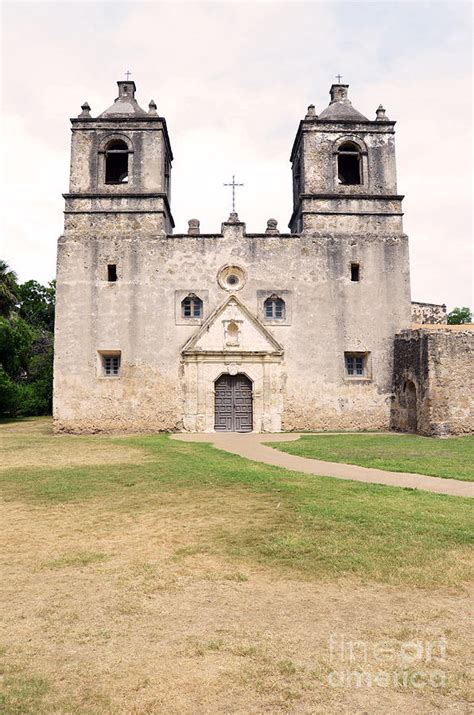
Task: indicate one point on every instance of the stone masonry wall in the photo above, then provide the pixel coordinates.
(438, 363)
(431, 313)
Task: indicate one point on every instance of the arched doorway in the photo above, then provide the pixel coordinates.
(233, 403)
(410, 402)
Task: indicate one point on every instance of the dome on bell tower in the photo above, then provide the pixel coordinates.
(340, 106)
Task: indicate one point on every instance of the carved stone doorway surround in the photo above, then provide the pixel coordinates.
(210, 353)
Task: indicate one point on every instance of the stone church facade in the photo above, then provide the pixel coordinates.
(229, 331)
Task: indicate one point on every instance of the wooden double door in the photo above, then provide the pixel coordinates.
(233, 404)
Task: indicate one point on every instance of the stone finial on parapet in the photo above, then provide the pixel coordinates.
(193, 227)
(86, 110)
(381, 116)
(233, 226)
(311, 113)
(152, 107)
(272, 229)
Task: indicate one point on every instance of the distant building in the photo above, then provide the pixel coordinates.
(237, 331)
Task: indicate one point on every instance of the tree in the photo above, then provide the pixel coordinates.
(459, 316)
(26, 368)
(8, 289)
(16, 342)
(26, 345)
(37, 304)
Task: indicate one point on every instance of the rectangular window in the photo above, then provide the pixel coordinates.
(111, 272)
(269, 311)
(111, 364)
(355, 273)
(356, 364)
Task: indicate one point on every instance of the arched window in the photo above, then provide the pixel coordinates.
(191, 306)
(349, 164)
(274, 308)
(116, 162)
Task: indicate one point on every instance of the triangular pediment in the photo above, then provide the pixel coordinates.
(232, 329)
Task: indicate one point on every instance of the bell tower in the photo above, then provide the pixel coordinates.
(344, 174)
(120, 174)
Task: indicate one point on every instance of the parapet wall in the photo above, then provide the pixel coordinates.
(434, 381)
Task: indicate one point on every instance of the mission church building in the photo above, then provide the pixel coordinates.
(230, 331)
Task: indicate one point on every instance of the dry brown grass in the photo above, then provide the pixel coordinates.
(44, 449)
(136, 614)
(109, 610)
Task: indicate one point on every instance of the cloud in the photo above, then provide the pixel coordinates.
(233, 80)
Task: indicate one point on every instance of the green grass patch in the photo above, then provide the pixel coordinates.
(22, 695)
(317, 527)
(448, 458)
(83, 558)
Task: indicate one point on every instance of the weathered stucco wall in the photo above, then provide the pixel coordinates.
(433, 381)
(377, 140)
(147, 158)
(330, 314)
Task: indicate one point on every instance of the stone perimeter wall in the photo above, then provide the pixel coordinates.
(434, 381)
(137, 315)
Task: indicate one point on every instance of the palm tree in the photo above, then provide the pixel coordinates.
(8, 289)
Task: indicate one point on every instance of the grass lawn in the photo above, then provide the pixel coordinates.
(450, 458)
(144, 575)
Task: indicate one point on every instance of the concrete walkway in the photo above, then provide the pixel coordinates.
(250, 446)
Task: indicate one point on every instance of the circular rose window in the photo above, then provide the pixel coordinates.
(231, 278)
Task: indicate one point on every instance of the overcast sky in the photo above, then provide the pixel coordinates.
(233, 80)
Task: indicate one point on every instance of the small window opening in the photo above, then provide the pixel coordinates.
(296, 181)
(111, 272)
(274, 308)
(116, 163)
(356, 364)
(349, 164)
(355, 273)
(111, 365)
(167, 176)
(191, 307)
